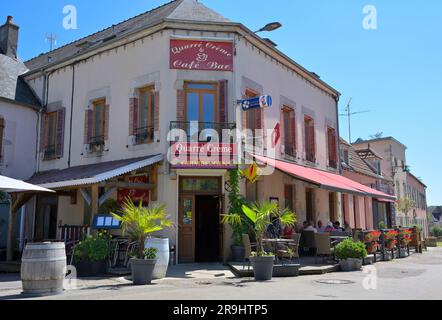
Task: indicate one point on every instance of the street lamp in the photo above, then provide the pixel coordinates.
(270, 27)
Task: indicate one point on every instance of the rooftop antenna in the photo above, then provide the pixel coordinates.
(349, 115)
(52, 39)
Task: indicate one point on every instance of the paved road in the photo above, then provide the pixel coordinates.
(417, 277)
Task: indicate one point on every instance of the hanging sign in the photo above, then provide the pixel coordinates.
(256, 103)
(251, 173)
(276, 135)
(201, 55)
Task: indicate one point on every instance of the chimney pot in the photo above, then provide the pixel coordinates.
(9, 19)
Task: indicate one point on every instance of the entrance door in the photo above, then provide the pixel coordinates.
(207, 216)
(187, 229)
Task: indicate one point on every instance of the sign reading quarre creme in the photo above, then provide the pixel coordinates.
(201, 55)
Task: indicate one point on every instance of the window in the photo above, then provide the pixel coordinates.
(145, 127)
(2, 129)
(97, 125)
(253, 121)
(289, 123)
(332, 148)
(52, 134)
(309, 139)
(289, 195)
(51, 120)
(345, 157)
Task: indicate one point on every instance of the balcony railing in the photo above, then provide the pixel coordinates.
(49, 152)
(203, 131)
(96, 144)
(144, 135)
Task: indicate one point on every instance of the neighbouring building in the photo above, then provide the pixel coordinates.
(435, 216)
(403, 182)
(19, 112)
(119, 104)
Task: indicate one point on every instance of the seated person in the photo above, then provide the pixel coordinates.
(288, 232)
(310, 227)
(329, 227)
(347, 227)
(337, 226)
(321, 227)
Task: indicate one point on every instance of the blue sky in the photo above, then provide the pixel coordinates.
(394, 71)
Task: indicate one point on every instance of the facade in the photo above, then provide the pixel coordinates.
(404, 184)
(122, 117)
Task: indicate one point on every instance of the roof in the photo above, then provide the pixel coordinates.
(357, 164)
(362, 141)
(12, 85)
(417, 179)
(323, 179)
(12, 185)
(91, 174)
(176, 10)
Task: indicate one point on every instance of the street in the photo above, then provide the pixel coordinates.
(417, 277)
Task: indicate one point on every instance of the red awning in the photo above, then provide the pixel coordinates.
(325, 180)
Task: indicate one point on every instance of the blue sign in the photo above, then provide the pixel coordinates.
(256, 103)
(106, 222)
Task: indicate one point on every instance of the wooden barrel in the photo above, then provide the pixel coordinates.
(43, 268)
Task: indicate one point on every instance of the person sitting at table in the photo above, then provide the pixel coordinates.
(304, 225)
(321, 227)
(310, 227)
(329, 227)
(288, 232)
(337, 226)
(347, 227)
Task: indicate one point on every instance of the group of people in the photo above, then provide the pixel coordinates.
(329, 227)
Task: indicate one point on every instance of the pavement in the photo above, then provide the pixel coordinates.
(417, 277)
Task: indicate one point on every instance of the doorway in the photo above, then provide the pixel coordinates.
(207, 240)
(46, 218)
(309, 205)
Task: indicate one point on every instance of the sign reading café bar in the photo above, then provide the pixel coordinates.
(201, 55)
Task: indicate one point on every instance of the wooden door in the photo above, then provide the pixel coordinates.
(187, 229)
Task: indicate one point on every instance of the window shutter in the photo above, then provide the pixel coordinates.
(293, 131)
(2, 129)
(106, 122)
(88, 126)
(131, 116)
(59, 138)
(156, 112)
(223, 101)
(181, 102)
(43, 125)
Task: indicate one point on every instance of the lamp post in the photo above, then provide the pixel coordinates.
(272, 26)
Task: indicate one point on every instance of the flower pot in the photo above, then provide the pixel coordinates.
(142, 271)
(348, 265)
(263, 267)
(238, 253)
(163, 256)
(91, 269)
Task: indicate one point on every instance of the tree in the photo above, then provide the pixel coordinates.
(404, 205)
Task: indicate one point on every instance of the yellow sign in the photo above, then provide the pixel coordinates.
(251, 173)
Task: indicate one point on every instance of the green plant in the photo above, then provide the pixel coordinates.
(150, 253)
(258, 217)
(110, 205)
(139, 222)
(436, 231)
(349, 249)
(404, 205)
(236, 201)
(382, 225)
(92, 249)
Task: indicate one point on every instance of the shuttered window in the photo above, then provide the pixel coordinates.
(144, 115)
(309, 139)
(52, 134)
(289, 123)
(2, 129)
(97, 125)
(332, 148)
(254, 122)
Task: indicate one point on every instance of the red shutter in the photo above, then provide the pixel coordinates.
(59, 135)
(131, 115)
(88, 126)
(43, 132)
(223, 101)
(106, 122)
(181, 102)
(156, 112)
(293, 131)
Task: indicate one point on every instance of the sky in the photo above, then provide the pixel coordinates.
(393, 71)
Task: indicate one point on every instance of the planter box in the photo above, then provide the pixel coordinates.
(403, 254)
(369, 260)
(91, 269)
(286, 271)
(238, 253)
(431, 242)
(387, 256)
(349, 265)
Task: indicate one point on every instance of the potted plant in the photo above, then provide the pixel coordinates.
(351, 255)
(390, 239)
(259, 216)
(139, 223)
(405, 236)
(91, 255)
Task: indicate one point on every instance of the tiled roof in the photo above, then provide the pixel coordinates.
(190, 10)
(90, 174)
(12, 86)
(357, 164)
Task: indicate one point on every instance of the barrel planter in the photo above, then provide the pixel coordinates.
(163, 256)
(43, 268)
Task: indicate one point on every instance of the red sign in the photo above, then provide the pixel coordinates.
(276, 135)
(136, 195)
(203, 155)
(201, 55)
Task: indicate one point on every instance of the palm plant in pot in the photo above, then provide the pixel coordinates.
(139, 223)
(258, 217)
(351, 255)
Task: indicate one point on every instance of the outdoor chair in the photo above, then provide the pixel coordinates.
(248, 248)
(323, 246)
(308, 241)
(293, 247)
(416, 241)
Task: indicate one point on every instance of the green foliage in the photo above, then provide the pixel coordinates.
(382, 225)
(349, 249)
(436, 231)
(236, 201)
(139, 222)
(258, 217)
(150, 253)
(92, 249)
(110, 205)
(404, 205)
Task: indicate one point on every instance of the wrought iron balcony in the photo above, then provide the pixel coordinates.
(49, 152)
(144, 135)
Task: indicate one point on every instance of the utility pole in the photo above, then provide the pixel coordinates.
(349, 115)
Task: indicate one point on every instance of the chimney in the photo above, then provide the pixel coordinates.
(9, 38)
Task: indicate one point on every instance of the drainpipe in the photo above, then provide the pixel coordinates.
(72, 112)
(22, 227)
